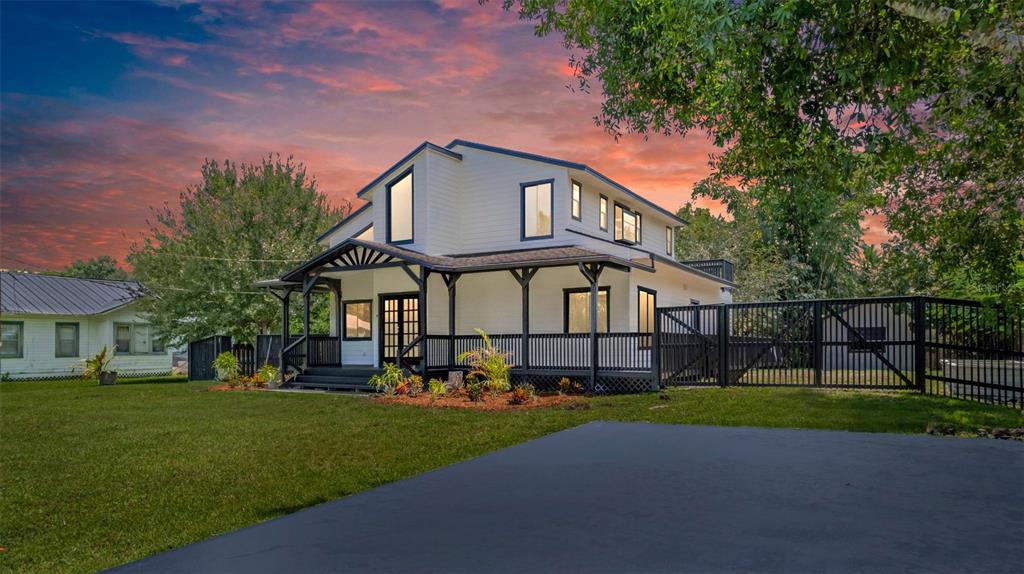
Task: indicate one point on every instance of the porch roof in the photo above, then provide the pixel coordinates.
(357, 254)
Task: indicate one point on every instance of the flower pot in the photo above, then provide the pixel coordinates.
(108, 377)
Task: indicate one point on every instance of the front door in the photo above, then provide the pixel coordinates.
(399, 326)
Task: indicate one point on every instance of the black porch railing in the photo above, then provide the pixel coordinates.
(551, 351)
(715, 267)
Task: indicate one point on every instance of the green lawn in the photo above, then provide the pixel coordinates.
(92, 477)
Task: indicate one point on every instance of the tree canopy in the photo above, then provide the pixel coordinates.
(830, 110)
(242, 223)
(102, 267)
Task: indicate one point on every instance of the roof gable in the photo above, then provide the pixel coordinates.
(54, 295)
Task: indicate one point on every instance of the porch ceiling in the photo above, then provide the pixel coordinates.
(356, 254)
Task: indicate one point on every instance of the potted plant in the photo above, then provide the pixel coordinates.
(97, 367)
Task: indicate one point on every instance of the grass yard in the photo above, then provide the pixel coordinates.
(94, 477)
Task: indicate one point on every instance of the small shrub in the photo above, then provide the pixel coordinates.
(499, 386)
(475, 391)
(566, 386)
(226, 365)
(388, 381)
(97, 364)
(522, 395)
(437, 388)
(269, 373)
(415, 385)
(469, 380)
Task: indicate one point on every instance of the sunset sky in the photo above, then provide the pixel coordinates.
(110, 108)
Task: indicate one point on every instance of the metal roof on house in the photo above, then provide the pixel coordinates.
(54, 295)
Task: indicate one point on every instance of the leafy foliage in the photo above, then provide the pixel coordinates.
(437, 388)
(567, 386)
(242, 223)
(269, 373)
(102, 267)
(522, 395)
(226, 365)
(489, 363)
(97, 364)
(827, 111)
(388, 381)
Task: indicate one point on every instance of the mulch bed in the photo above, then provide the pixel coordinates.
(489, 402)
(226, 387)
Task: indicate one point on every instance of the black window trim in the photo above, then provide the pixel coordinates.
(603, 201)
(565, 305)
(638, 232)
(21, 339)
(56, 339)
(522, 209)
(412, 205)
(573, 184)
(344, 322)
(646, 342)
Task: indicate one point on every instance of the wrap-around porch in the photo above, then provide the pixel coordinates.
(425, 328)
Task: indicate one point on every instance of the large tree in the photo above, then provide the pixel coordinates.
(242, 223)
(914, 107)
(102, 267)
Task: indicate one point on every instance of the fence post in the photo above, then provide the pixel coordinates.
(920, 332)
(723, 345)
(818, 349)
(656, 350)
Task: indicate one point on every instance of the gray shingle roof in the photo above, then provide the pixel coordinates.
(52, 295)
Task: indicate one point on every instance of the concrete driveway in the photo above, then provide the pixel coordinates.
(614, 497)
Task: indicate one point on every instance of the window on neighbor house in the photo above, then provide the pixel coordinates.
(670, 241)
(158, 344)
(537, 208)
(399, 197)
(12, 339)
(577, 310)
(627, 224)
(602, 218)
(577, 201)
(66, 340)
(136, 339)
(871, 339)
(357, 320)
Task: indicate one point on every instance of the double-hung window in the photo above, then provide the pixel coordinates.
(357, 320)
(602, 218)
(136, 339)
(12, 339)
(577, 201)
(66, 344)
(627, 225)
(537, 206)
(400, 208)
(670, 241)
(577, 310)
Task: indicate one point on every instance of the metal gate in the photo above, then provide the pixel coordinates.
(939, 346)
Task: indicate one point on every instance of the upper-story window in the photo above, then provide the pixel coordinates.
(399, 200)
(577, 201)
(627, 225)
(537, 207)
(670, 241)
(602, 218)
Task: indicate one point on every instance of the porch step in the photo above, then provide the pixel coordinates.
(335, 378)
(329, 386)
(364, 371)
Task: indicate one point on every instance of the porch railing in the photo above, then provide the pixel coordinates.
(552, 351)
(323, 350)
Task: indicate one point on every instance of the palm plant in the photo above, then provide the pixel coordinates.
(97, 367)
(489, 363)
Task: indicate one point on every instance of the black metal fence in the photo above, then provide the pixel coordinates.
(939, 346)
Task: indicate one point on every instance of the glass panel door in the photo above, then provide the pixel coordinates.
(399, 325)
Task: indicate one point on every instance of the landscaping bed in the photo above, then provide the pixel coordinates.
(487, 402)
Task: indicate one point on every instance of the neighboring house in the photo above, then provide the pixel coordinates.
(49, 324)
(470, 236)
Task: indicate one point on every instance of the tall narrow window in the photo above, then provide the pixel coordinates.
(647, 303)
(537, 208)
(12, 339)
(602, 219)
(577, 201)
(66, 340)
(400, 225)
(670, 242)
(639, 229)
(122, 338)
(357, 320)
(577, 310)
(626, 225)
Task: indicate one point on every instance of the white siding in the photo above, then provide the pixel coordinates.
(351, 226)
(94, 332)
(675, 287)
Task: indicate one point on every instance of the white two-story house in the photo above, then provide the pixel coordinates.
(563, 266)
